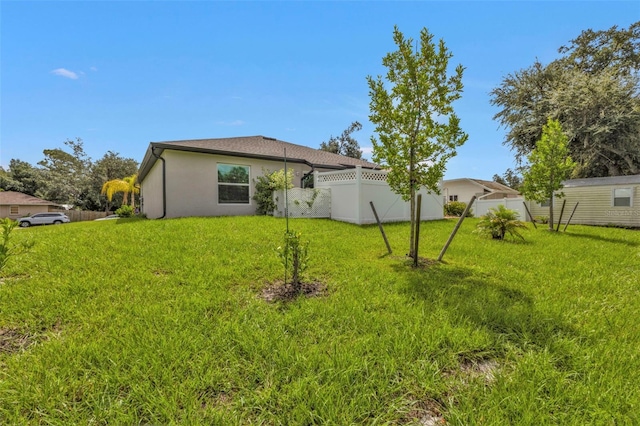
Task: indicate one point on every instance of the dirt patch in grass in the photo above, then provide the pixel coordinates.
(281, 292)
(13, 340)
(215, 398)
(425, 413)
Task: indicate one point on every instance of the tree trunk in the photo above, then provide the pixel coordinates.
(413, 202)
(551, 213)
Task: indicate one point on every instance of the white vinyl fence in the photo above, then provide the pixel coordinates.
(313, 203)
(481, 207)
(352, 191)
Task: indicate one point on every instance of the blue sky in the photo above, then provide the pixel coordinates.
(122, 74)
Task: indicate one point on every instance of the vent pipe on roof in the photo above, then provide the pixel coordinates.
(164, 183)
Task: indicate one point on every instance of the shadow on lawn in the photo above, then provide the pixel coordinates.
(604, 239)
(509, 313)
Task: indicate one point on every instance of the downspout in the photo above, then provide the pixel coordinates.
(164, 183)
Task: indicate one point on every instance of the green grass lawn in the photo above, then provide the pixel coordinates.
(161, 322)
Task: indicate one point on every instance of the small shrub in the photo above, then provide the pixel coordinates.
(542, 219)
(456, 208)
(500, 221)
(8, 250)
(264, 187)
(294, 255)
(125, 211)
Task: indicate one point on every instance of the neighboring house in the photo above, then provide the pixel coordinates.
(602, 201)
(216, 177)
(15, 205)
(463, 189)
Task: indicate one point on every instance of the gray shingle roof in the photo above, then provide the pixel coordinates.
(255, 147)
(18, 198)
(495, 186)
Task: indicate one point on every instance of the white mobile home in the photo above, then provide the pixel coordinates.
(602, 201)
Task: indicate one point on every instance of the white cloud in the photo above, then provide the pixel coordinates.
(93, 69)
(368, 150)
(65, 73)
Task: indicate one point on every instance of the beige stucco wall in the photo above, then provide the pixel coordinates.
(151, 192)
(192, 184)
(596, 206)
(23, 210)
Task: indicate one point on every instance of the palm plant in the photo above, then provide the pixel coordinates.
(499, 222)
(127, 185)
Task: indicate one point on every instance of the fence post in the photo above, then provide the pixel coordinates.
(359, 195)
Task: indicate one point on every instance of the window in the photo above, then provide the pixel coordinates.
(545, 203)
(13, 210)
(233, 184)
(453, 198)
(622, 197)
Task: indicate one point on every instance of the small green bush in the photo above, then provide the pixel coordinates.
(542, 219)
(125, 211)
(499, 222)
(456, 208)
(265, 185)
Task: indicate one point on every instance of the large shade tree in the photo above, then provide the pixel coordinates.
(416, 126)
(592, 89)
(345, 144)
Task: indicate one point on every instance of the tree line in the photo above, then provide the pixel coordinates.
(70, 177)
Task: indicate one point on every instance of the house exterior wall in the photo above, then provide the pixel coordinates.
(596, 206)
(463, 189)
(192, 184)
(23, 210)
(151, 192)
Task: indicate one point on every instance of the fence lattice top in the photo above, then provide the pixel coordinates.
(351, 175)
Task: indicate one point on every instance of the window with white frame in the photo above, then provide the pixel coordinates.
(13, 210)
(233, 184)
(622, 197)
(545, 203)
(453, 198)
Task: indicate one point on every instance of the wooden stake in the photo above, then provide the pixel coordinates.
(570, 217)
(384, 236)
(561, 211)
(453, 233)
(531, 217)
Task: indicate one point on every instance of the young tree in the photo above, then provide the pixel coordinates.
(549, 165)
(418, 131)
(344, 144)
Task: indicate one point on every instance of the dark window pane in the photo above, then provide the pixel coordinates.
(233, 174)
(233, 194)
(622, 202)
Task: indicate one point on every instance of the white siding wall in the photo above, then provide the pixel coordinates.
(596, 206)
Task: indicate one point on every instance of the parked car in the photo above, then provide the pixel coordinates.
(44, 219)
(110, 217)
